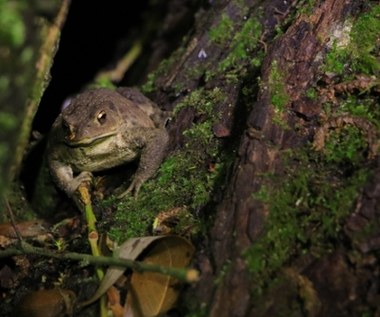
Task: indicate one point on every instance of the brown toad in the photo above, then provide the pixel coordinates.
(103, 128)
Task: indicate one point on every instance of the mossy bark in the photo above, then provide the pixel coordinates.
(265, 96)
(271, 123)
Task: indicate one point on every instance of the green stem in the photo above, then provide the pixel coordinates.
(184, 275)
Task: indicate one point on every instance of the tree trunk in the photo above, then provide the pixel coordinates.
(277, 245)
(276, 102)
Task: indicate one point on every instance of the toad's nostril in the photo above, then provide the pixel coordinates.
(71, 136)
(68, 131)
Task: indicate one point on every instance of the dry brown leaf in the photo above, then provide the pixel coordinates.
(27, 229)
(46, 303)
(152, 294)
(129, 250)
(114, 305)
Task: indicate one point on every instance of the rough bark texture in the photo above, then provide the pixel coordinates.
(332, 286)
(296, 54)
(261, 64)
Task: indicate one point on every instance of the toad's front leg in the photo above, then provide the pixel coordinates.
(153, 145)
(64, 177)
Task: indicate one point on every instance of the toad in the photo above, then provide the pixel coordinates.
(103, 128)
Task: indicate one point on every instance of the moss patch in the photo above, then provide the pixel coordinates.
(278, 94)
(223, 32)
(346, 146)
(306, 209)
(185, 178)
(243, 41)
(365, 39)
(311, 197)
(277, 88)
(359, 55)
(243, 44)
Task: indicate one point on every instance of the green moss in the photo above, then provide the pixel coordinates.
(306, 207)
(336, 59)
(149, 85)
(312, 94)
(12, 28)
(365, 107)
(360, 54)
(305, 7)
(163, 67)
(243, 43)
(201, 132)
(203, 101)
(223, 32)
(184, 178)
(245, 51)
(309, 200)
(277, 88)
(365, 42)
(346, 146)
(278, 94)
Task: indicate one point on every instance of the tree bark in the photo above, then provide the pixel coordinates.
(295, 229)
(298, 55)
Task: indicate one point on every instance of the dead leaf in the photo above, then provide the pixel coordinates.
(46, 303)
(175, 221)
(129, 250)
(114, 302)
(36, 230)
(27, 229)
(152, 294)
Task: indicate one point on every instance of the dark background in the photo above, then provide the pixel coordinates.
(92, 39)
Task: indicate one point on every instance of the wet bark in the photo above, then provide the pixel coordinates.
(240, 218)
(293, 43)
(296, 54)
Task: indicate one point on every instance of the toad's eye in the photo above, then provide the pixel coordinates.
(101, 116)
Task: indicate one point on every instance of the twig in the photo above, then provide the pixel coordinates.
(116, 74)
(184, 275)
(12, 218)
(93, 236)
(91, 223)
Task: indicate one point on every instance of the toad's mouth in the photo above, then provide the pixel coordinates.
(87, 141)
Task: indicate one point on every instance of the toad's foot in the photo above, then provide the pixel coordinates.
(133, 188)
(83, 177)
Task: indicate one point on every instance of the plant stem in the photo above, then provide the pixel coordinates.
(184, 275)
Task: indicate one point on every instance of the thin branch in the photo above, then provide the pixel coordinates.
(12, 218)
(182, 274)
(116, 75)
